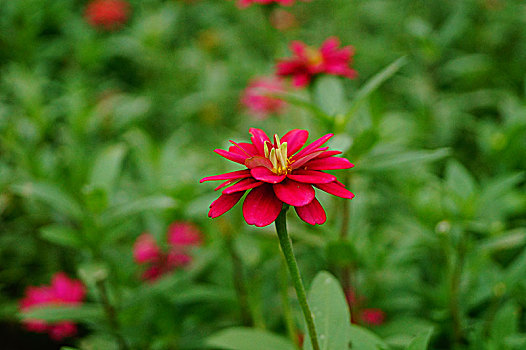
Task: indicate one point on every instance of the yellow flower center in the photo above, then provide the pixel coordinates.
(278, 157)
(314, 56)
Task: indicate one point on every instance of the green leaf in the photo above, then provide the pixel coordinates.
(505, 323)
(363, 339)
(107, 167)
(507, 240)
(331, 313)
(330, 95)
(248, 339)
(303, 103)
(388, 161)
(83, 313)
(421, 341)
(126, 210)
(52, 195)
(363, 143)
(61, 235)
(459, 180)
(373, 84)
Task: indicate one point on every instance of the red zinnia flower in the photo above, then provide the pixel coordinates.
(62, 291)
(258, 96)
(279, 173)
(107, 14)
(309, 62)
(181, 237)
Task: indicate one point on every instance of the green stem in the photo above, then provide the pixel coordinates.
(287, 312)
(111, 315)
(286, 247)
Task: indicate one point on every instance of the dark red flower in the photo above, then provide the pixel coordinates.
(62, 291)
(107, 14)
(278, 173)
(372, 317)
(309, 62)
(361, 315)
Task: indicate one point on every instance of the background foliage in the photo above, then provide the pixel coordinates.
(104, 135)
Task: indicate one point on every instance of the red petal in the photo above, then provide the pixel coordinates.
(263, 174)
(295, 139)
(294, 193)
(311, 177)
(312, 213)
(261, 206)
(231, 156)
(243, 149)
(313, 145)
(299, 162)
(228, 176)
(224, 184)
(243, 185)
(330, 163)
(258, 161)
(328, 154)
(258, 140)
(336, 189)
(330, 45)
(224, 203)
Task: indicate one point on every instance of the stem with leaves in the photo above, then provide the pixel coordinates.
(286, 247)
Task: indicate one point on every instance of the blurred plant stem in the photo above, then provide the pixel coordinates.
(111, 314)
(287, 312)
(346, 272)
(286, 247)
(238, 278)
(454, 301)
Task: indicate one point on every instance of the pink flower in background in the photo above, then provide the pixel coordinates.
(246, 3)
(182, 236)
(258, 97)
(360, 315)
(309, 62)
(279, 172)
(107, 14)
(146, 249)
(62, 291)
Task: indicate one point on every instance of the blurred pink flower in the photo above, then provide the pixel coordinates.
(276, 173)
(146, 249)
(309, 62)
(181, 237)
(246, 3)
(258, 96)
(107, 14)
(62, 291)
(372, 317)
(181, 234)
